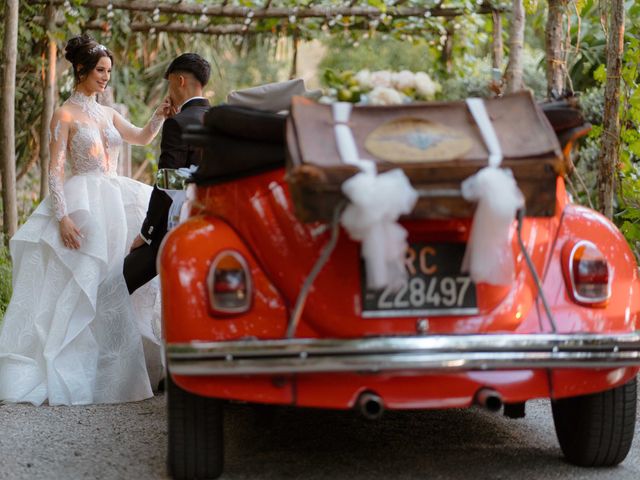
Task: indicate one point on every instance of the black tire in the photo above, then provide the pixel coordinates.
(597, 430)
(196, 442)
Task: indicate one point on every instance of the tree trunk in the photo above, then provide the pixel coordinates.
(609, 150)
(498, 48)
(35, 135)
(447, 50)
(293, 73)
(513, 75)
(7, 117)
(49, 100)
(554, 45)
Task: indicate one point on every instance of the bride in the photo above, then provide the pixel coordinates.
(72, 334)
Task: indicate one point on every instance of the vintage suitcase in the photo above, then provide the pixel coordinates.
(438, 145)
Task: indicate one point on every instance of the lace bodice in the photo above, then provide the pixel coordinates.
(89, 136)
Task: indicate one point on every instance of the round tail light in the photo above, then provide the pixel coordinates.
(586, 273)
(229, 284)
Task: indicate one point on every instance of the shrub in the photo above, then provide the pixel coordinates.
(5, 278)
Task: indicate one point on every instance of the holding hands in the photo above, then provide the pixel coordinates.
(166, 108)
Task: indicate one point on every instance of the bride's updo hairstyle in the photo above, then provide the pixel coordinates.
(84, 53)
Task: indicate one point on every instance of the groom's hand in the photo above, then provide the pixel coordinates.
(137, 243)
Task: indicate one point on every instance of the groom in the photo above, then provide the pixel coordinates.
(187, 75)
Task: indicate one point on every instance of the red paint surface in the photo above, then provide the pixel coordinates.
(255, 217)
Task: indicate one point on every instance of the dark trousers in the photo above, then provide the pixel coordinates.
(140, 266)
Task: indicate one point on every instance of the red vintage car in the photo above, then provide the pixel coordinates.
(252, 313)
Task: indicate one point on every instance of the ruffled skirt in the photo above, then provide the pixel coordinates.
(72, 334)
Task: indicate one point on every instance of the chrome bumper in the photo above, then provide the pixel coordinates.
(437, 353)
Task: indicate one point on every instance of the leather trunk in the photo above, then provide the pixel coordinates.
(315, 171)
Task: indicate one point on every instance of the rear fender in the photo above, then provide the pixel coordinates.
(622, 312)
(620, 315)
(183, 264)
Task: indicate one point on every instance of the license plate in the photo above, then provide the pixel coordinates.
(434, 285)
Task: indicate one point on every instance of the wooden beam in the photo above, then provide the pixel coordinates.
(177, 27)
(229, 11)
(180, 27)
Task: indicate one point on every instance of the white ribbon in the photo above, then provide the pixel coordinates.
(488, 256)
(376, 203)
(179, 197)
(478, 110)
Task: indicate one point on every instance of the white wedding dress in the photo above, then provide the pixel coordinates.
(72, 334)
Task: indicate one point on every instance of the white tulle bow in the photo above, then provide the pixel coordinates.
(376, 203)
(488, 257)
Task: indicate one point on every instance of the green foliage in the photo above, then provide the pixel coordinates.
(587, 39)
(380, 52)
(137, 77)
(28, 81)
(384, 43)
(627, 207)
(473, 77)
(531, 6)
(5, 278)
(628, 214)
(344, 83)
(600, 73)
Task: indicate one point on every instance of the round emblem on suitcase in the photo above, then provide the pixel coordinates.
(416, 140)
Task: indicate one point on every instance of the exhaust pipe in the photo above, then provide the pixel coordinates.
(490, 399)
(370, 405)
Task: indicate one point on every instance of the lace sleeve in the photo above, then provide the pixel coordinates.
(59, 134)
(136, 135)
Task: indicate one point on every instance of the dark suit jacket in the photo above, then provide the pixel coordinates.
(174, 153)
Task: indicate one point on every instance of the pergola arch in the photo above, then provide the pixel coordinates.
(225, 18)
(228, 17)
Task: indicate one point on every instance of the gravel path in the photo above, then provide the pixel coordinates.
(128, 441)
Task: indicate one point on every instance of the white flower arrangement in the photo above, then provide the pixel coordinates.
(426, 87)
(382, 87)
(404, 80)
(385, 96)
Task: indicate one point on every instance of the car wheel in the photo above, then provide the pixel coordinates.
(596, 430)
(195, 434)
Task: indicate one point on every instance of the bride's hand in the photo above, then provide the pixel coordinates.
(166, 108)
(70, 234)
